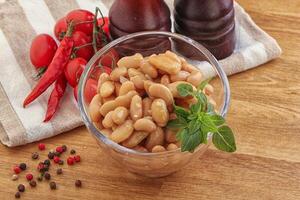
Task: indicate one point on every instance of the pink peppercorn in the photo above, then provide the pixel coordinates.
(17, 169)
(70, 160)
(29, 177)
(77, 158)
(40, 166)
(56, 159)
(59, 149)
(42, 146)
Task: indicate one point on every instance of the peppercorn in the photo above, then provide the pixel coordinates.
(22, 166)
(18, 195)
(41, 166)
(56, 159)
(21, 188)
(51, 155)
(42, 146)
(59, 149)
(32, 183)
(59, 171)
(35, 155)
(72, 151)
(70, 160)
(78, 183)
(47, 162)
(29, 177)
(46, 168)
(57, 153)
(14, 177)
(47, 176)
(40, 177)
(77, 158)
(52, 185)
(17, 169)
(64, 147)
(60, 162)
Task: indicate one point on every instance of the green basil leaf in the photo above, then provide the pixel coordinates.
(210, 108)
(194, 126)
(193, 116)
(217, 120)
(184, 89)
(203, 84)
(180, 133)
(189, 142)
(195, 108)
(181, 112)
(224, 140)
(202, 99)
(207, 124)
(176, 123)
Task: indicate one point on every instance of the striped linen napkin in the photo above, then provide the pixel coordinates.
(21, 20)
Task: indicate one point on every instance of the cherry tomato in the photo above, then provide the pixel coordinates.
(42, 50)
(80, 39)
(99, 70)
(60, 28)
(110, 59)
(90, 89)
(75, 92)
(105, 24)
(74, 70)
(82, 20)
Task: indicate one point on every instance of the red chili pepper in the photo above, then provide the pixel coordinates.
(55, 69)
(56, 95)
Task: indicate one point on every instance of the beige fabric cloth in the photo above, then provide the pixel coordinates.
(21, 20)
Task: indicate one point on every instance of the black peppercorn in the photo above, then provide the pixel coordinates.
(72, 151)
(51, 155)
(59, 171)
(32, 183)
(47, 162)
(64, 147)
(52, 185)
(22, 166)
(35, 155)
(21, 188)
(18, 195)
(60, 162)
(47, 176)
(78, 183)
(40, 177)
(57, 154)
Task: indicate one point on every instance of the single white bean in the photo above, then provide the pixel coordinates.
(122, 132)
(133, 61)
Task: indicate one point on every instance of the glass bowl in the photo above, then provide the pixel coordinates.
(147, 43)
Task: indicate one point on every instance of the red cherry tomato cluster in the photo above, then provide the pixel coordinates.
(81, 33)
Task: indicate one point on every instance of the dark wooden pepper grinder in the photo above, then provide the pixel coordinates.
(210, 22)
(130, 16)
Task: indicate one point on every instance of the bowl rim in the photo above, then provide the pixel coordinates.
(119, 148)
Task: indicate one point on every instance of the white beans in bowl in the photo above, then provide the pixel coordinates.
(136, 100)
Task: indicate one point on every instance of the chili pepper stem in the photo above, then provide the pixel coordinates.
(40, 71)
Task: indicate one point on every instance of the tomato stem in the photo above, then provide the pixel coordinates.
(96, 29)
(70, 29)
(82, 46)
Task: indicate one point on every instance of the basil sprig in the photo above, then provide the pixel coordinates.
(195, 124)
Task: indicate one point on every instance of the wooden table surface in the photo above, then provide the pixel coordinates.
(264, 113)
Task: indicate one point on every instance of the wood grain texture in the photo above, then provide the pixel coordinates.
(264, 113)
